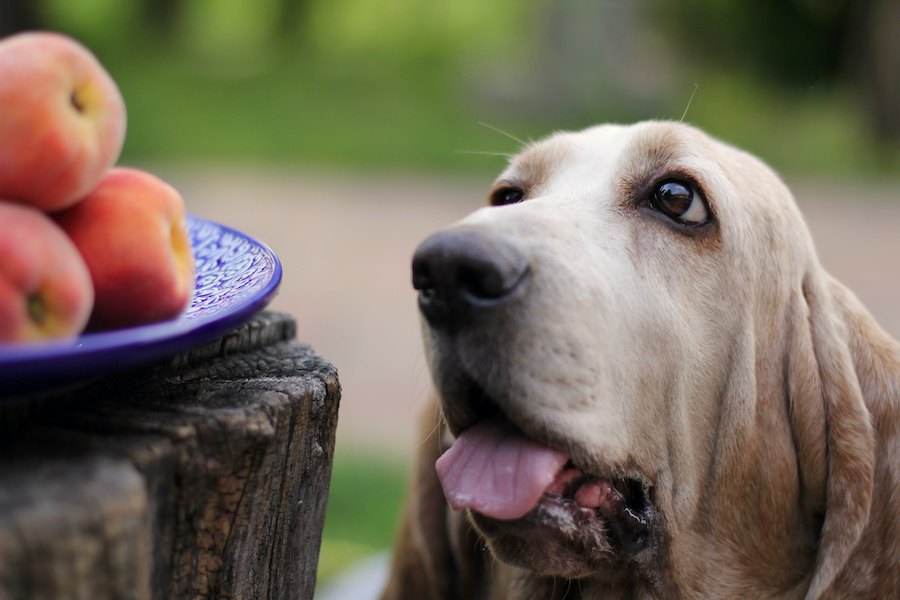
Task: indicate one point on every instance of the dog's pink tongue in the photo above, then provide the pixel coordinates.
(496, 471)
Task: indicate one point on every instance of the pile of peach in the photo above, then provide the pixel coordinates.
(83, 243)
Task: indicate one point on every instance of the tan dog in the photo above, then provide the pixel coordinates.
(651, 389)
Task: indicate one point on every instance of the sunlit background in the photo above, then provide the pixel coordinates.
(342, 132)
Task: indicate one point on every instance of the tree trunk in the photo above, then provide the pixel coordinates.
(162, 16)
(206, 477)
(291, 14)
(875, 66)
(19, 15)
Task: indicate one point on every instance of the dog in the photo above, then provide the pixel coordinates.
(646, 386)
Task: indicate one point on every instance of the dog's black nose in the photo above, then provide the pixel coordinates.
(461, 272)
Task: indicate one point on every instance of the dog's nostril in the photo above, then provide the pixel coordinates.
(482, 282)
(460, 270)
(421, 279)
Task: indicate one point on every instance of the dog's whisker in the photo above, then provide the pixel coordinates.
(518, 140)
(430, 436)
(569, 584)
(691, 99)
(506, 155)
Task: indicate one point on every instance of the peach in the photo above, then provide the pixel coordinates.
(62, 120)
(132, 233)
(45, 287)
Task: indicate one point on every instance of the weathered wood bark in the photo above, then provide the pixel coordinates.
(205, 477)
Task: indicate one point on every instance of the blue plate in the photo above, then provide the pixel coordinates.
(236, 276)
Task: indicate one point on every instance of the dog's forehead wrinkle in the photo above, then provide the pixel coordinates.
(533, 166)
(581, 159)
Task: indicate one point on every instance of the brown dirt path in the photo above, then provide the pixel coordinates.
(346, 242)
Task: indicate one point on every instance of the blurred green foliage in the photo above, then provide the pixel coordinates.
(404, 84)
(789, 42)
(359, 83)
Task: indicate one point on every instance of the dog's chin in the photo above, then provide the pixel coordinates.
(587, 522)
(561, 537)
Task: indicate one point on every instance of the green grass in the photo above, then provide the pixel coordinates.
(364, 506)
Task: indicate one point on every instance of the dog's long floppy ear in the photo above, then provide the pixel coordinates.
(832, 427)
(437, 555)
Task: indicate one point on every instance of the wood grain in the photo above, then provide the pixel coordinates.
(205, 477)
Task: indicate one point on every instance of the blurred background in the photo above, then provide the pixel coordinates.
(342, 132)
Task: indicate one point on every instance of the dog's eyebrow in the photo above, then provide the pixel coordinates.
(650, 153)
(650, 150)
(507, 181)
(533, 166)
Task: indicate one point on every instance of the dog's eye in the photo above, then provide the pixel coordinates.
(508, 194)
(679, 200)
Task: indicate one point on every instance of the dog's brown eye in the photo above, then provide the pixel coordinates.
(679, 200)
(507, 195)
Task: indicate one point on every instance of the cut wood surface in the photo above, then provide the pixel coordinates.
(205, 477)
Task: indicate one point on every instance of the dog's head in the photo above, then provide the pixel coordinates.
(610, 341)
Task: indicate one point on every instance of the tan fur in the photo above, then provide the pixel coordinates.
(751, 388)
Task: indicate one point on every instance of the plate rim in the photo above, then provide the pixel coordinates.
(158, 339)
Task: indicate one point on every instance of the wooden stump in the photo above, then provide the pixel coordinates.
(206, 477)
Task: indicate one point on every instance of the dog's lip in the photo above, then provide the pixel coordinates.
(587, 504)
(621, 525)
(621, 506)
